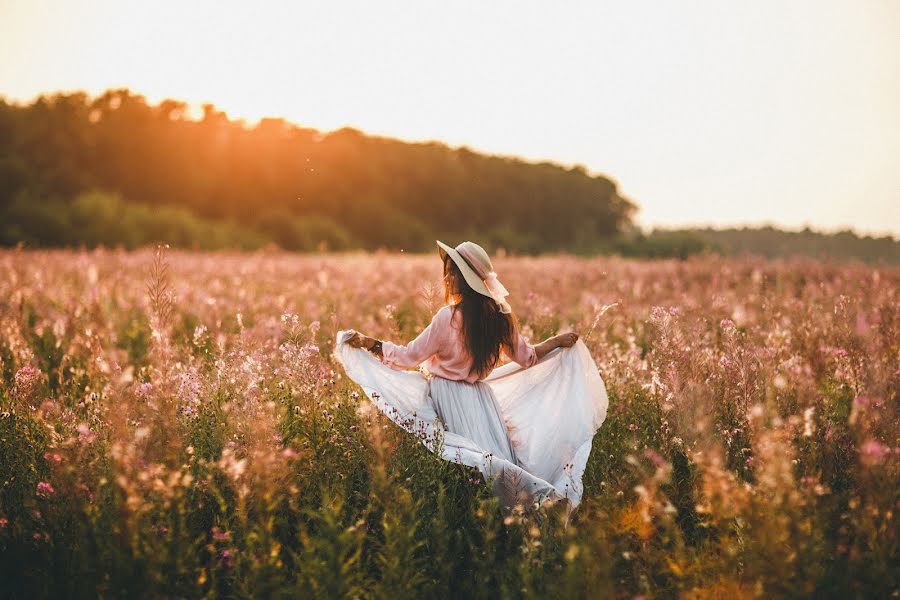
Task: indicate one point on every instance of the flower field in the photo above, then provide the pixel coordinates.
(172, 424)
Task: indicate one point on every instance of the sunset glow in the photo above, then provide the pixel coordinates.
(704, 113)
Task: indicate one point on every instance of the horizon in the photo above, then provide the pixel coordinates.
(194, 113)
(790, 165)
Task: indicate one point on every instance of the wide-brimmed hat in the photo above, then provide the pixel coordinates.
(476, 268)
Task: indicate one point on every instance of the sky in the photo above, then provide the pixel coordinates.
(705, 112)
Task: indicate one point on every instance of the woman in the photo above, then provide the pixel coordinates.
(527, 425)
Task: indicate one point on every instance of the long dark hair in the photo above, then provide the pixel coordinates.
(485, 330)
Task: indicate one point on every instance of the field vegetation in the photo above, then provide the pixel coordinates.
(172, 424)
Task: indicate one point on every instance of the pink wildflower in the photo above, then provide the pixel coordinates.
(45, 489)
(85, 434)
(144, 390)
(872, 452)
(227, 557)
(654, 456)
(220, 535)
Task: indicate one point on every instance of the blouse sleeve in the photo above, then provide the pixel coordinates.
(423, 347)
(524, 353)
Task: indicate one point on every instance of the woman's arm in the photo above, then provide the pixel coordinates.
(527, 355)
(563, 340)
(413, 354)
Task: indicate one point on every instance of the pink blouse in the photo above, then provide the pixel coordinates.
(441, 347)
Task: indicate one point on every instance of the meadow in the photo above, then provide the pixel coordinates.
(173, 424)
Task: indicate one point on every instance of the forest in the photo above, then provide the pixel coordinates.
(282, 182)
(114, 170)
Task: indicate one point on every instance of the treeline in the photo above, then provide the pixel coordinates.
(772, 242)
(279, 182)
(104, 219)
(114, 170)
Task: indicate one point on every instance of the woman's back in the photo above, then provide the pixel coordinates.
(442, 348)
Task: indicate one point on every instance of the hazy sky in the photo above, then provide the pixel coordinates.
(705, 112)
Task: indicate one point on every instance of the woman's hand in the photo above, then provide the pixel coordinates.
(358, 340)
(566, 340)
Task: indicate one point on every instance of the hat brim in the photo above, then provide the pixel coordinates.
(475, 282)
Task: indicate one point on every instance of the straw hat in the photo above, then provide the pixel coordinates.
(476, 268)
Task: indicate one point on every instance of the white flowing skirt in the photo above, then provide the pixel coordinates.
(529, 431)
